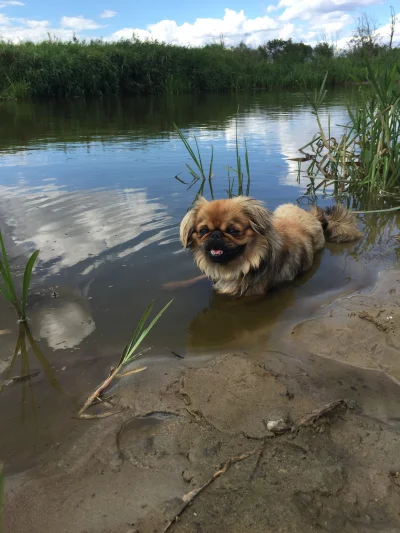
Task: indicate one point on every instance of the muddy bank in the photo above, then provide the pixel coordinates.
(179, 423)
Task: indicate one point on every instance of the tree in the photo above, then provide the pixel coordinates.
(365, 37)
(324, 50)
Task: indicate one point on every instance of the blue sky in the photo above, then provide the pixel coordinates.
(195, 23)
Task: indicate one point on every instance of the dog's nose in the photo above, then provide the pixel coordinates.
(216, 234)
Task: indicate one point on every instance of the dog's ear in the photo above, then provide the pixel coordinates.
(260, 218)
(187, 227)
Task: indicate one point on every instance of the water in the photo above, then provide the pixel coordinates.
(91, 185)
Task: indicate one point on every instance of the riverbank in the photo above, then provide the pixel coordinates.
(71, 69)
(179, 423)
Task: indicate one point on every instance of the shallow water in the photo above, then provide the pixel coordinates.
(91, 185)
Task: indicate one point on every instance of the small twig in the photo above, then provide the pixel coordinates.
(305, 420)
(174, 353)
(190, 496)
(310, 418)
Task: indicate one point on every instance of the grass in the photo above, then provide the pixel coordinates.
(93, 68)
(366, 155)
(7, 287)
(202, 178)
(129, 355)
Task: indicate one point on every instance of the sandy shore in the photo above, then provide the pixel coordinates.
(129, 472)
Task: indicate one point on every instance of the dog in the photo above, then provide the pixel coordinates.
(245, 249)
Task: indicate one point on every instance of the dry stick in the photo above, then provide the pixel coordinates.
(190, 496)
(304, 420)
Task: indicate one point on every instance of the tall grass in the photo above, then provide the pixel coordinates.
(239, 177)
(366, 155)
(68, 69)
(7, 287)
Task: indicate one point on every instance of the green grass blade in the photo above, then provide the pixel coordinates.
(6, 295)
(6, 271)
(189, 149)
(247, 168)
(138, 330)
(199, 156)
(210, 174)
(134, 345)
(27, 280)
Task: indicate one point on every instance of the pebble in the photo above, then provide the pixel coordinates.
(187, 476)
(276, 425)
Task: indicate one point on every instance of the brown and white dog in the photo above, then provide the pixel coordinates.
(245, 249)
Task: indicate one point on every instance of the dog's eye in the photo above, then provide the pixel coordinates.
(233, 231)
(203, 231)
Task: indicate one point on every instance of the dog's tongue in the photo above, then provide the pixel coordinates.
(216, 252)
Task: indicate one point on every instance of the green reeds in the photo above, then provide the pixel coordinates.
(238, 171)
(242, 174)
(7, 287)
(54, 68)
(198, 173)
(366, 155)
(129, 355)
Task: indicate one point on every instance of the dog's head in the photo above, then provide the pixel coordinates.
(226, 232)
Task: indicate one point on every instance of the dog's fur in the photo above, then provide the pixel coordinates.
(246, 249)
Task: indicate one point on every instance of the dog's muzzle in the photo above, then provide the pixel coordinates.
(218, 251)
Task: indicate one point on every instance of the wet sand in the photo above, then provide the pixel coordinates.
(180, 421)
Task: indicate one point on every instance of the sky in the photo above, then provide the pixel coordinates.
(192, 23)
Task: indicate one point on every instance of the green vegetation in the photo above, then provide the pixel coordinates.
(129, 355)
(7, 288)
(366, 156)
(78, 68)
(201, 177)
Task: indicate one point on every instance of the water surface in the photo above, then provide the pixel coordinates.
(91, 185)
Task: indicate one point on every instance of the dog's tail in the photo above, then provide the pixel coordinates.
(339, 224)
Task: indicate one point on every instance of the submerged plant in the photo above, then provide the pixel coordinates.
(25, 374)
(7, 288)
(129, 355)
(366, 156)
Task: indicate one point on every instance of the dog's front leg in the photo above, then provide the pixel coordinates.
(183, 284)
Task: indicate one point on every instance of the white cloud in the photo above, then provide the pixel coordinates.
(332, 22)
(32, 23)
(322, 17)
(287, 31)
(108, 14)
(6, 3)
(293, 9)
(79, 23)
(234, 27)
